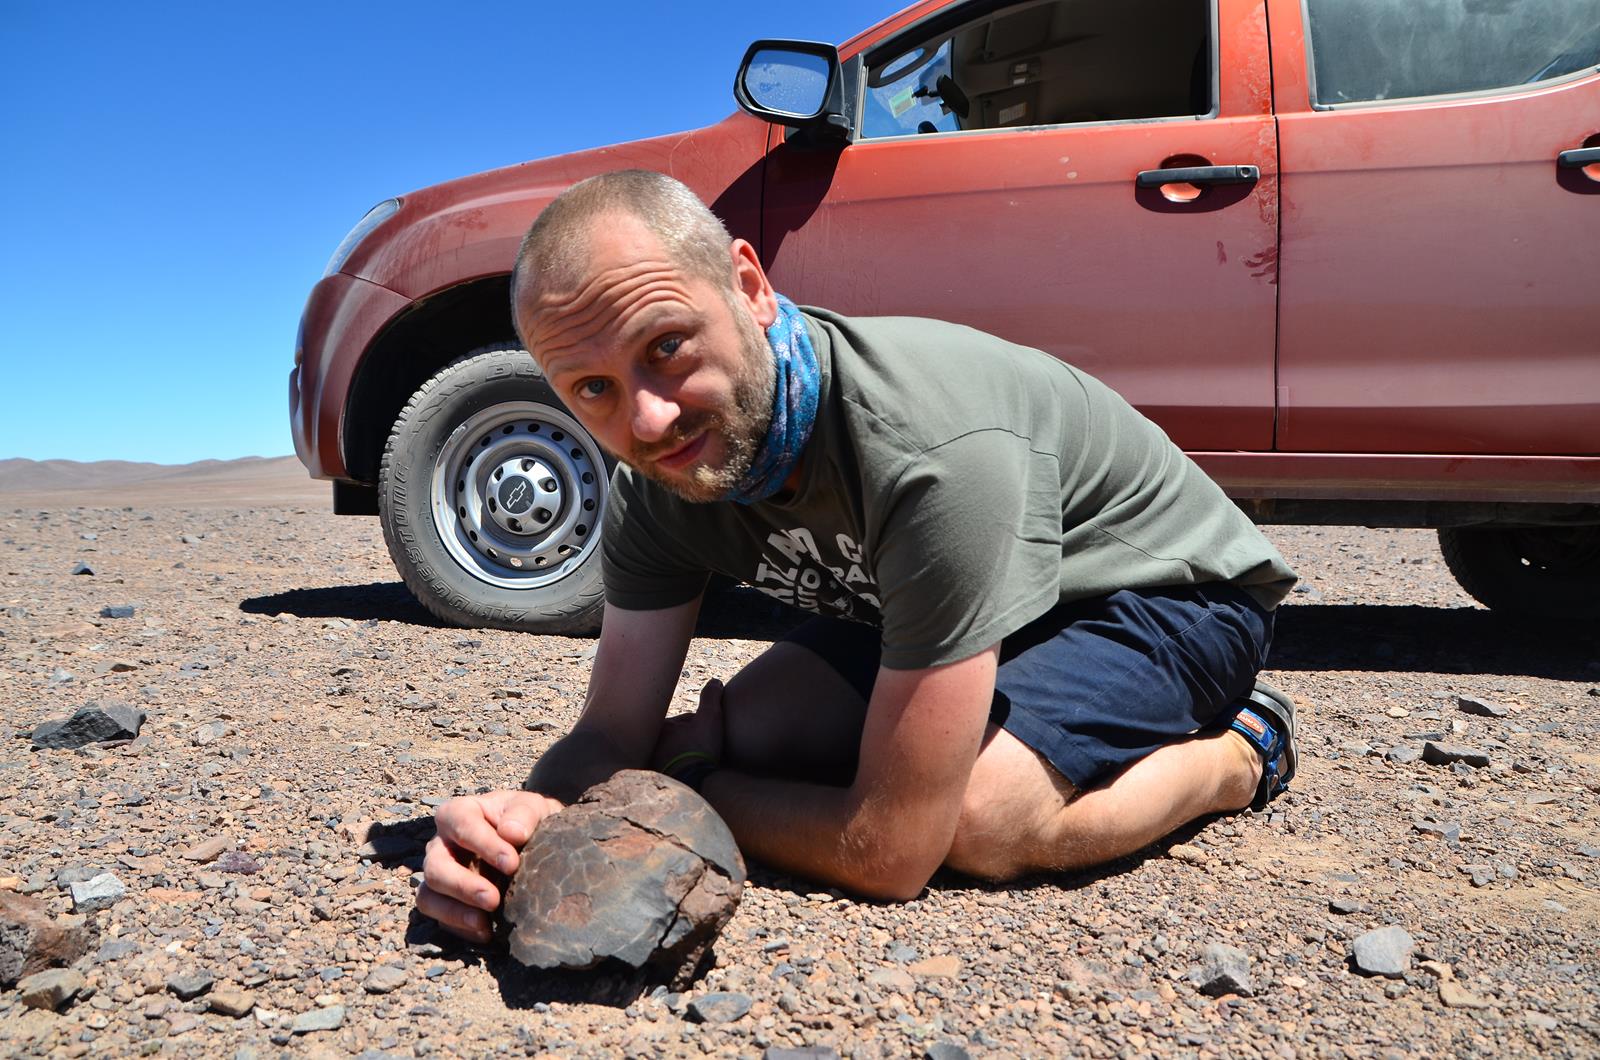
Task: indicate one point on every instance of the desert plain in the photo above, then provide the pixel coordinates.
(304, 716)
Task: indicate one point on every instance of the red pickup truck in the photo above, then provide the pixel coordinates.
(1346, 252)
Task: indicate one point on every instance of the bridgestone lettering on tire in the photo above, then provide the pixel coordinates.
(492, 496)
(1546, 572)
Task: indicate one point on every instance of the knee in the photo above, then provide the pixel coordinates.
(985, 843)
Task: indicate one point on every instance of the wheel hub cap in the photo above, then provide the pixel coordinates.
(517, 494)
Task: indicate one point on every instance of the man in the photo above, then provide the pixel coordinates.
(1045, 622)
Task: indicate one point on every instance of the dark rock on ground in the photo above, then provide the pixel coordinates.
(189, 985)
(719, 1008)
(640, 869)
(1346, 906)
(1385, 951)
(1482, 708)
(1444, 754)
(117, 611)
(31, 940)
(82, 568)
(93, 723)
(946, 1051)
(1223, 970)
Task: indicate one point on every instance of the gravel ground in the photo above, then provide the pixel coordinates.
(305, 716)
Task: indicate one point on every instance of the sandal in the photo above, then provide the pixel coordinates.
(1266, 719)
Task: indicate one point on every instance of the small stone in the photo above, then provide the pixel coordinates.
(1188, 853)
(719, 1008)
(188, 539)
(946, 1051)
(1346, 906)
(1223, 970)
(1540, 1022)
(1444, 754)
(210, 733)
(94, 723)
(901, 953)
(1449, 831)
(318, 1019)
(181, 1023)
(189, 985)
(1589, 851)
(117, 611)
(384, 979)
(1481, 875)
(50, 989)
(1481, 708)
(82, 568)
(234, 1003)
(209, 850)
(102, 892)
(1403, 754)
(944, 967)
(897, 979)
(804, 1052)
(31, 940)
(1385, 951)
(116, 950)
(1454, 995)
(238, 862)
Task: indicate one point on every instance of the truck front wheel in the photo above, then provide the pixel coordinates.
(1547, 572)
(491, 497)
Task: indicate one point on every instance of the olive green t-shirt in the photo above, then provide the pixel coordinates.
(955, 487)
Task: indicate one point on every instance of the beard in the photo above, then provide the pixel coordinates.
(742, 425)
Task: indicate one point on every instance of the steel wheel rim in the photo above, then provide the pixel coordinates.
(527, 534)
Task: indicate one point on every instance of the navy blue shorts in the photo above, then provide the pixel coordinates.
(1094, 685)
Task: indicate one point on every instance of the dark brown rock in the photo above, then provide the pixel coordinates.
(31, 940)
(640, 869)
(94, 723)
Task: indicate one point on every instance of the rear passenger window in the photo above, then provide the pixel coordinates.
(1048, 62)
(1366, 50)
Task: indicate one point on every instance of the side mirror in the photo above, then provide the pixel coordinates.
(794, 83)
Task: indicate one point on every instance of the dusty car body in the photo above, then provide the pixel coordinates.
(1356, 284)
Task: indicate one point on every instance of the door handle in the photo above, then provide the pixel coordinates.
(1578, 157)
(1155, 178)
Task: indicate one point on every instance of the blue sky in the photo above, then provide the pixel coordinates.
(176, 175)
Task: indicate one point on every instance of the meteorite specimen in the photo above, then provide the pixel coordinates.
(640, 869)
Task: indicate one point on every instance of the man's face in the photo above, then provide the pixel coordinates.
(669, 372)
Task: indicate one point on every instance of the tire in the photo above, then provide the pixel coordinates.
(492, 496)
(1546, 572)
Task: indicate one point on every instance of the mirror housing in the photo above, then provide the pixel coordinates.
(794, 83)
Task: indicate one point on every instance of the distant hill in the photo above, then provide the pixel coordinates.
(253, 480)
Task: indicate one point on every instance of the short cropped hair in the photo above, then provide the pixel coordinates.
(553, 253)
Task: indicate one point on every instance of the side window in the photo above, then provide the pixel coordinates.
(1368, 50)
(1049, 62)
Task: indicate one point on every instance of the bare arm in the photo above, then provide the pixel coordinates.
(635, 670)
(885, 835)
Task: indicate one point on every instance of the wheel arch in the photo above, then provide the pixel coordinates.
(432, 333)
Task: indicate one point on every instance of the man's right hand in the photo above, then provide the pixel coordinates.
(476, 832)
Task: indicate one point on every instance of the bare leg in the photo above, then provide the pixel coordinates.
(790, 714)
(1022, 816)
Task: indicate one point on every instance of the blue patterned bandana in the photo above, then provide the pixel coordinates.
(794, 406)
